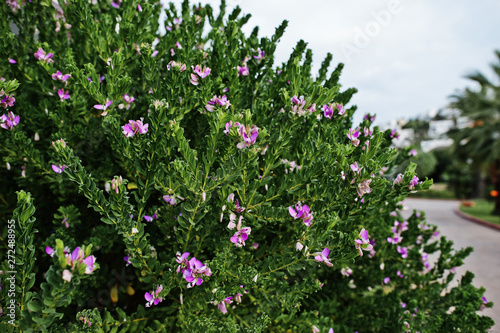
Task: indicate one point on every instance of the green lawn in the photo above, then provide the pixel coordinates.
(482, 210)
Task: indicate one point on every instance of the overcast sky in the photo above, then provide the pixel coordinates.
(405, 57)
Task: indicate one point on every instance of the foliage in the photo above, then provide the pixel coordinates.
(479, 143)
(185, 182)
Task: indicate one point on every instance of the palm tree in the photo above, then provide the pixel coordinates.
(479, 143)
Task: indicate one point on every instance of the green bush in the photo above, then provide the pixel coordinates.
(185, 182)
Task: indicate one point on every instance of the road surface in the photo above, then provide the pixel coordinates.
(484, 262)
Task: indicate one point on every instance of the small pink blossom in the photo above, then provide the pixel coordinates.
(241, 235)
(363, 243)
(301, 212)
(353, 136)
(398, 179)
(195, 271)
(58, 168)
(60, 76)
(222, 304)
(134, 127)
(66, 275)
(364, 187)
(104, 107)
(222, 101)
(44, 57)
(170, 199)
(323, 256)
(327, 111)
(202, 72)
(243, 71)
(153, 297)
(9, 121)
(63, 94)
(346, 271)
(249, 135)
(403, 251)
(7, 100)
(413, 182)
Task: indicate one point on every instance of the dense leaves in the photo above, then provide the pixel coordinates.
(186, 182)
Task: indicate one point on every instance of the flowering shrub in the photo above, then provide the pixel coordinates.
(242, 198)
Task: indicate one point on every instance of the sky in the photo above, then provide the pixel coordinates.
(405, 57)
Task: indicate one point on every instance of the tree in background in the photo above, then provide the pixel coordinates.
(480, 142)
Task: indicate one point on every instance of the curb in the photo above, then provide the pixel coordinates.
(476, 220)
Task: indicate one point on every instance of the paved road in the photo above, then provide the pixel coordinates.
(484, 262)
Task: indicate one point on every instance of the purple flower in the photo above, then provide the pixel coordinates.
(369, 117)
(194, 272)
(323, 256)
(301, 212)
(228, 126)
(127, 260)
(412, 152)
(364, 187)
(355, 168)
(243, 71)
(403, 251)
(398, 179)
(139, 8)
(134, 127)
(241, 235)
(222, 304)
(59, 76)
(7, 100)
(353, 136)
(394, 134)
(260, 55)
(128, 100)
(50, 251)
(177, 65)
(346, 271)
(150, 218)
(153, 298)
(386, 280)
(363, 243)
(12, 61)
(182, 261)
(9, 121)
(42, 56)
(89, 262)
(198, 72)
(58, 168)
(413, 182)
(222, 101)
(104, 107)
(340, 108)
(238, 208)
(116, 4)
(203, 73)
(298, 105)
(63, 94)
(170, 199)
(327, 111)
(249, 135)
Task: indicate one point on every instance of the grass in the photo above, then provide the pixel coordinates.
(482, 210)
